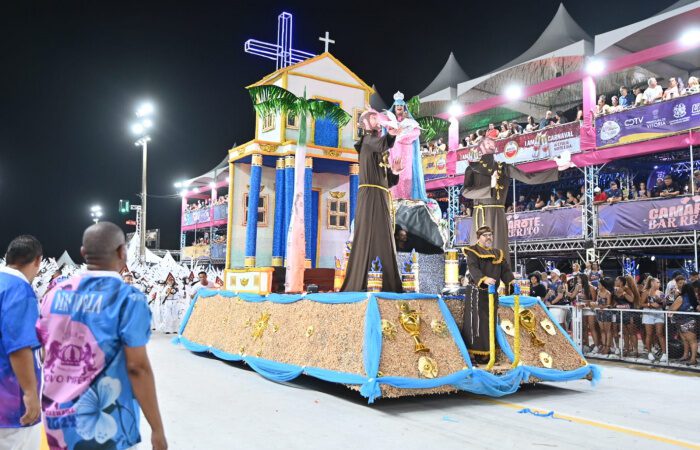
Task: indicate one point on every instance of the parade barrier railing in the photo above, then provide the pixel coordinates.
(642, 328)
(470, 379)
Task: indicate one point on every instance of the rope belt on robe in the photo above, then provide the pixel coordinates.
(480, 209)
(391, 201)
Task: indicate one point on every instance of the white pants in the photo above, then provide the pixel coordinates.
(25, 438)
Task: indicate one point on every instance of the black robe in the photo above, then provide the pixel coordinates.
(373, 230)
(489, 203)
(482, 263)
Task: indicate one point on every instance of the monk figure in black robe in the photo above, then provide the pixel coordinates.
(487, 267)
(487, 182)
(373, 234)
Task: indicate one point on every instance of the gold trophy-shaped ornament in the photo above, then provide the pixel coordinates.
(527, 320)
(410, 321)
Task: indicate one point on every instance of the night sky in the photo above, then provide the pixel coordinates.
(73, 73)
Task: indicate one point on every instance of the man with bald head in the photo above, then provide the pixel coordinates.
(94, 329)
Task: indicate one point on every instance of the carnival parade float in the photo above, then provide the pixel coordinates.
(292, 199)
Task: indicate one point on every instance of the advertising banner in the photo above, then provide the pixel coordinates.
(535, 146)
(649, 216)
(648, 122)
(557, 223)
(435, 166)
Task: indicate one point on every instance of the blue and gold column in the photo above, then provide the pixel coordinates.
(354, 186)
(278, 233)
(288, 199)
(308, 212)
(251, 231)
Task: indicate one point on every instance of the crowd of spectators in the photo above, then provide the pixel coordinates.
(609, 333)
(653, 93)
(206, 203)
(505, 130)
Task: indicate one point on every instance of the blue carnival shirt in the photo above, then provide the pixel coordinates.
(19, 311)
(85, 324)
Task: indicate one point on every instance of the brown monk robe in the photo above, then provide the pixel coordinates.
(487, 266)
(489, 202)
(373, 230)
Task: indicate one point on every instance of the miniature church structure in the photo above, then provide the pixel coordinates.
(264, 166)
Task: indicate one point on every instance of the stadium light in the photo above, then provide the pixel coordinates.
(95, 213)
(145, 109)
(690, 37)
(454, 110)
(595, 66)
(513, 92)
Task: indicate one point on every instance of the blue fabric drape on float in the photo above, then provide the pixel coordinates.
(469, 379)
(251, 230)
(277, 236)
(354, 187)
(308, 213)
(288, 198)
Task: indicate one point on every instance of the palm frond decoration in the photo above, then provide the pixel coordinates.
(432, 126)
(322, 109)
(413, 106)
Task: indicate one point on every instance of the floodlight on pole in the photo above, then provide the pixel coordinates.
(513, 92)
(178, 184)
(95, 213)
(140, 128)
(595, 66)
(690, 37)
(145, 109)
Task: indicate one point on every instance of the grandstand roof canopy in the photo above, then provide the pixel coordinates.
(561, 49)
(216, 174)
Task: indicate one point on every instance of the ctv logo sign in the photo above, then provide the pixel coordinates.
(634, 121)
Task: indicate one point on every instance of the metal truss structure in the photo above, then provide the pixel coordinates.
(543, 246)
(639, 242)
(452, 209)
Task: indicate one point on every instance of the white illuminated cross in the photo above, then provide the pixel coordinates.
(327, 40)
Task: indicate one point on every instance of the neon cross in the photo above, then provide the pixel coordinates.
(282, 52)
(327, 40)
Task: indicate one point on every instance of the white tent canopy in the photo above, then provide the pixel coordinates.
(216, 174)
(659, 29)
(65, 260)
(560, 49)
(444, 86)
(376, 101)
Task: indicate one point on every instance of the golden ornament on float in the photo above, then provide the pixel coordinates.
(546, 360)
(427, 367)
(260, 326)
(527, 320)
(548, 327)
(388, 329)
(410, 321)
(439, 327)
(508, 327)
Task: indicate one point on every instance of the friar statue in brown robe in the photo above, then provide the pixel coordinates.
(373, 234)
(487, 266)
(487, 181)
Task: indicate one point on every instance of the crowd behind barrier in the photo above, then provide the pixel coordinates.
(626, 318)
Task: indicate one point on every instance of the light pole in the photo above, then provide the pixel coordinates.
(141, 128)
(96, 213)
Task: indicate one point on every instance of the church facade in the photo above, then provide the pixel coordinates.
(267, 161)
